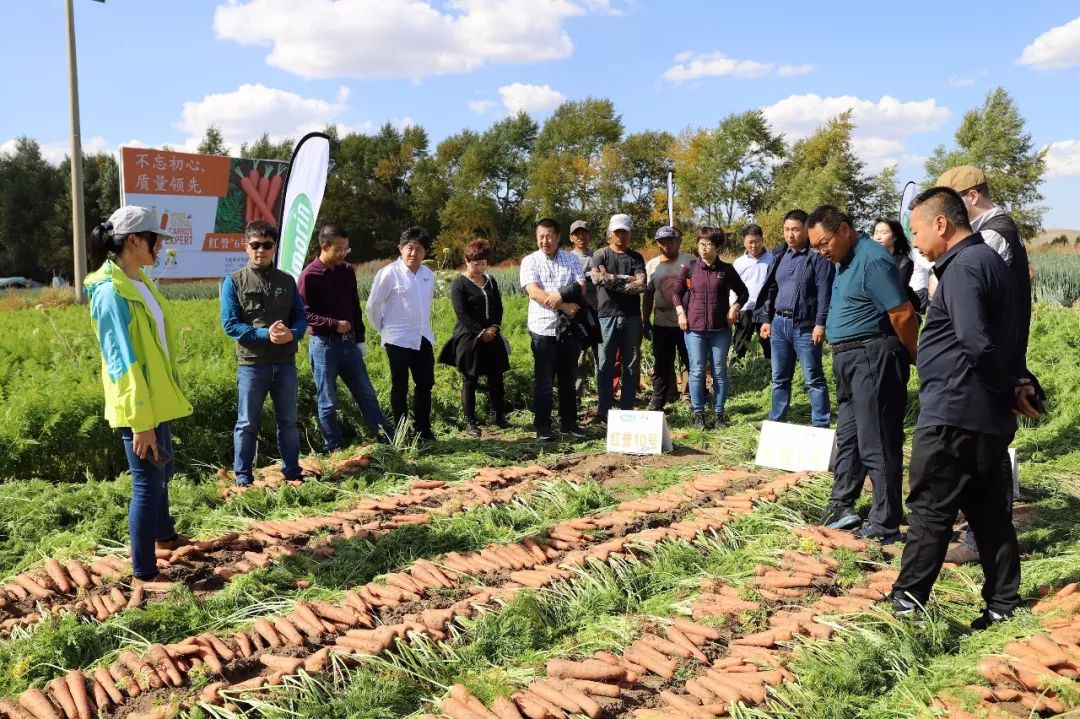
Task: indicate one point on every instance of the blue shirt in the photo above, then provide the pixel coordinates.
(866, 287)
(787, 277)
(235, 327)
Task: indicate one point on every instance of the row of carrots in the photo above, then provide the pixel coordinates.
(272, 477)
(261, 193)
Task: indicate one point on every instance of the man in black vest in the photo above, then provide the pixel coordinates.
(999, 232)
(970, 388)
(262, 310)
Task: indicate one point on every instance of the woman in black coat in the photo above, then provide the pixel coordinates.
(890, 235)
(476, 347)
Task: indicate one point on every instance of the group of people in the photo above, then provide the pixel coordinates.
(826, 282)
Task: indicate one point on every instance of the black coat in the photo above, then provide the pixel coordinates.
(477, 309)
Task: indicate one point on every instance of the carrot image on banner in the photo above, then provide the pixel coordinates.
(303, 196)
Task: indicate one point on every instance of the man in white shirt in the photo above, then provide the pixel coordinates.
(555, 354)
(753, 268)
(399, 308)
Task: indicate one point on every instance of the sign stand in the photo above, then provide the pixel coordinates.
(632, 432)
(795, 447)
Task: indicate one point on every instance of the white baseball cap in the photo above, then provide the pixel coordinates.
(131, 219)
(620, 222)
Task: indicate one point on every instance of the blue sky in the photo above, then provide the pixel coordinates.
(156, 72)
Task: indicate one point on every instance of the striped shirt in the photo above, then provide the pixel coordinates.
(549, 274)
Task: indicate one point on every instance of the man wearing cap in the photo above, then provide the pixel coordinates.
(872, 330)
(792, 307)
(970, 390)
(580, 247)
(262, 310)
(619, 275)
(753, 268)
(999, 231)
(660, 320)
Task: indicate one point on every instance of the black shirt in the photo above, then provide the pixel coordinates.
(612, 302)
(967, 353)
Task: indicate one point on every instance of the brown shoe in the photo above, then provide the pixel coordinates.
(177, 541)
(962, 554)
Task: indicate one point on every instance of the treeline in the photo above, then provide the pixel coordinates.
(579, 163)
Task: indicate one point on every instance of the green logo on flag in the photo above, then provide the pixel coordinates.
(299, 224)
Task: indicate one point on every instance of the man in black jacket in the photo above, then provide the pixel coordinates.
(970, 389)
(792, 309)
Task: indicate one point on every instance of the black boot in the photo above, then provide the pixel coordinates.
(471, 428)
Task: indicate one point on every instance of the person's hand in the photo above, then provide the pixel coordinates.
(766, 331)
(553, 300)
(362, 348)
(144, 445)
(733, 314)
(1025, 393)
(487, 335)
(818, 335)
(683, 324)
(646, 329)
(344, 327)
(570, 308)
(280, 334)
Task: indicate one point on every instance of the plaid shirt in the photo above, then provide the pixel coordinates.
(549, 274)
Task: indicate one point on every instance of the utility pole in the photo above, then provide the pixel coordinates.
(78, 225)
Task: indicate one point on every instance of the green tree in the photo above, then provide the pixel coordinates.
(213, 143)
(101, 197)
(632, 173)
(266, 149)
(29, 188)
(724, 172)
(993, 139)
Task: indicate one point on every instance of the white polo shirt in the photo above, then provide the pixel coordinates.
(399, 305)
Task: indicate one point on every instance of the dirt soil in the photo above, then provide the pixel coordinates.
(622, 474)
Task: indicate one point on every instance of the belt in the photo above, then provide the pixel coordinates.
(858, 342)
(787, 314)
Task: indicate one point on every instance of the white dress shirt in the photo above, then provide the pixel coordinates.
(549, 274)
(753, 273)
(399, 305)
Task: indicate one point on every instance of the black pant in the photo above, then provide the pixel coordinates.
(744, 333)
(554, 358)
(495, 395)
(421, 363)
(871, 393)
(954, 469)
(667, 344)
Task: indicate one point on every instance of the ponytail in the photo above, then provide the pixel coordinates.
(103, 244)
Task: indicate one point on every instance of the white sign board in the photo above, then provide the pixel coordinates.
(795, 447)
(637, 432)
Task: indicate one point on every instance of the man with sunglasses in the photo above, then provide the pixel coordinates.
(262, 310)
(336, 345)
(873, 331)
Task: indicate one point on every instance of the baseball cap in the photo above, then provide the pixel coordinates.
(665, 232)
(620, 222)
(131, 219)
(962, 178)
(578, 225)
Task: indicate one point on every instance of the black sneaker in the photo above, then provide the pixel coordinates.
(575, 432)
(545, 435)
(699, 420)
(426, 435)
(839, 517)
(883, 536)
(988, 618)
(905, 608)
(722, 420)
(501, 422)
(471, 429)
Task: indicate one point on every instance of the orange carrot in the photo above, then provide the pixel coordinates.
(31, 585)
(589, 705)
(530, 707)
(685, 706)
(266, 630)
(104, 678)
(58, 575)
(250, 213)
(665, 646)
(164, 665)
(651, 660)
(555, 697)
(260, 204)
(62, 694)
(503, 708)
(590, 670)
(35, 702)
(456, 710)
(286, 665)
(684, 641)
(13, 711)
(272, 192)
(76, 682)
(599, 689)
(286, 629)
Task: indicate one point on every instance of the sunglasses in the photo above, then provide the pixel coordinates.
(266, 245)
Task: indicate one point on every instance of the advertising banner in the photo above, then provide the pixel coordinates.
(303, 197)
(204, 201)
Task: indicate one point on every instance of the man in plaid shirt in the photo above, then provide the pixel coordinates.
(543, 274)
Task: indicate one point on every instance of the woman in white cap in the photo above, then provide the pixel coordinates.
(138, 345)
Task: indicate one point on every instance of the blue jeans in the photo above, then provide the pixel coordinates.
(704, 347)
(333, 357)
(788, 343)
(255, 382)
(148, 514)
(618, 333)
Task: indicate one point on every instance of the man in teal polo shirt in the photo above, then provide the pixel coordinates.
(872, 330)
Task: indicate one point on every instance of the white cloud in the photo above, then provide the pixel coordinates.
(482, 107)
(881, 127)
(789, 70)
(1063, 159)
(56, 152)
(401, 38)
(247, 112)
(961, 81)
(1058, 47)
(689, 66)
(518, 97)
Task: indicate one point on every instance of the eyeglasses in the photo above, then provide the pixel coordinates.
(265, 245)
(342, 251)
(824, 243)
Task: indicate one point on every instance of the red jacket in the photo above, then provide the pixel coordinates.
(703, 292)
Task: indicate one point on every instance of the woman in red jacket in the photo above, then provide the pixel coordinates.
(701, 301)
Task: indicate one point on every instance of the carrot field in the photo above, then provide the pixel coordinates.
(494, 578)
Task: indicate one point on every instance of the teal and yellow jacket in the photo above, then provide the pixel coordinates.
(142, 385)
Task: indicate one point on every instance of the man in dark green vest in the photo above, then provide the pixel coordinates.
(262, 310)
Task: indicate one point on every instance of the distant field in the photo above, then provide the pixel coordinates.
(1047, 236)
